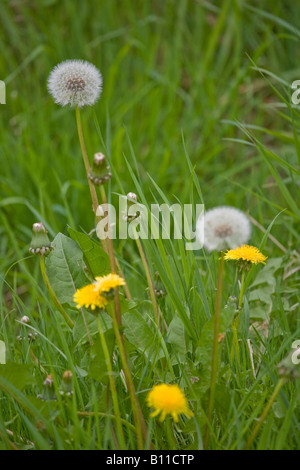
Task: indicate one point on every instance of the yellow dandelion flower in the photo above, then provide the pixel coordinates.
(246, 253)
(89, 297)
(106, 283)
(168, 399)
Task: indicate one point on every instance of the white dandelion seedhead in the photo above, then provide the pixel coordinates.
(75, 82)
(222, 228)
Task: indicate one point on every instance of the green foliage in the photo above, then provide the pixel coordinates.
(196, 108)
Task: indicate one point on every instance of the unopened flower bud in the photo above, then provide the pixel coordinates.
(288, 369)
(129, 216)
(100, 171)
(48, 389)
(25, 319)
(132, 196)
(40, 243)
(66, 385)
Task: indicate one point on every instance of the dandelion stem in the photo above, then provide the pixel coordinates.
(263, 416)
(93, 192)
(140, 426)
(170, 435)
(149, 278)
(242, 289)
(111, 257)
(86, 159)
(214, 361)
(112, 385)
(52, 293)
(236, 323)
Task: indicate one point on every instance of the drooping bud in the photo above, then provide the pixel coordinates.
(40, 243)
(100, 171)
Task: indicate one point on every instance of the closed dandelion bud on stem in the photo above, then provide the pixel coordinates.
(132, 200)
(48, 389)
(66, 385)
(100, 171)
(40, 243)
(287, 369)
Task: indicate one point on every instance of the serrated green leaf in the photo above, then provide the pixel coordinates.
(96, 260)
(19, 375)
(140, 334)
(65, 268)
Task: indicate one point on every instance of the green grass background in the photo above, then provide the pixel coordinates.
(197, 97)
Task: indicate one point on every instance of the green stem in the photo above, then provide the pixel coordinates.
(236, 323)
(52, 293)
(170, 435)
(112, 385)
(140, 426)
(242, 290)
(262, 418)
(93, 192)
(86, 159)
(149, 278)
(112, 259)
(214, 361)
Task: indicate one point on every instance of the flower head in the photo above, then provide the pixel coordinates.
(40, 243)
(107, 283)
(75, 82)
(168, 399)
(89, 297)
(223, 227)
(247, 253)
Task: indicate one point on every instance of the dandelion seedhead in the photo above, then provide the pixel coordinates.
(222, 228)
(168, 399)
(75, 82)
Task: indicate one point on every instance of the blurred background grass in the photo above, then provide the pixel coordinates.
(174, 71)
(179, 77)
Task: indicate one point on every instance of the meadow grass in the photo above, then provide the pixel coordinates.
(196, 108)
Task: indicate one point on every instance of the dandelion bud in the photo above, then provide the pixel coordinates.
(48, 389)
(132, 196)
(66, 385)
(40, 243)
(25, 319)
(100, 171)
(129, 217)
(288, 369)
(159, 288)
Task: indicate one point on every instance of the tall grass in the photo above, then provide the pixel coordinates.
(196, 107)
